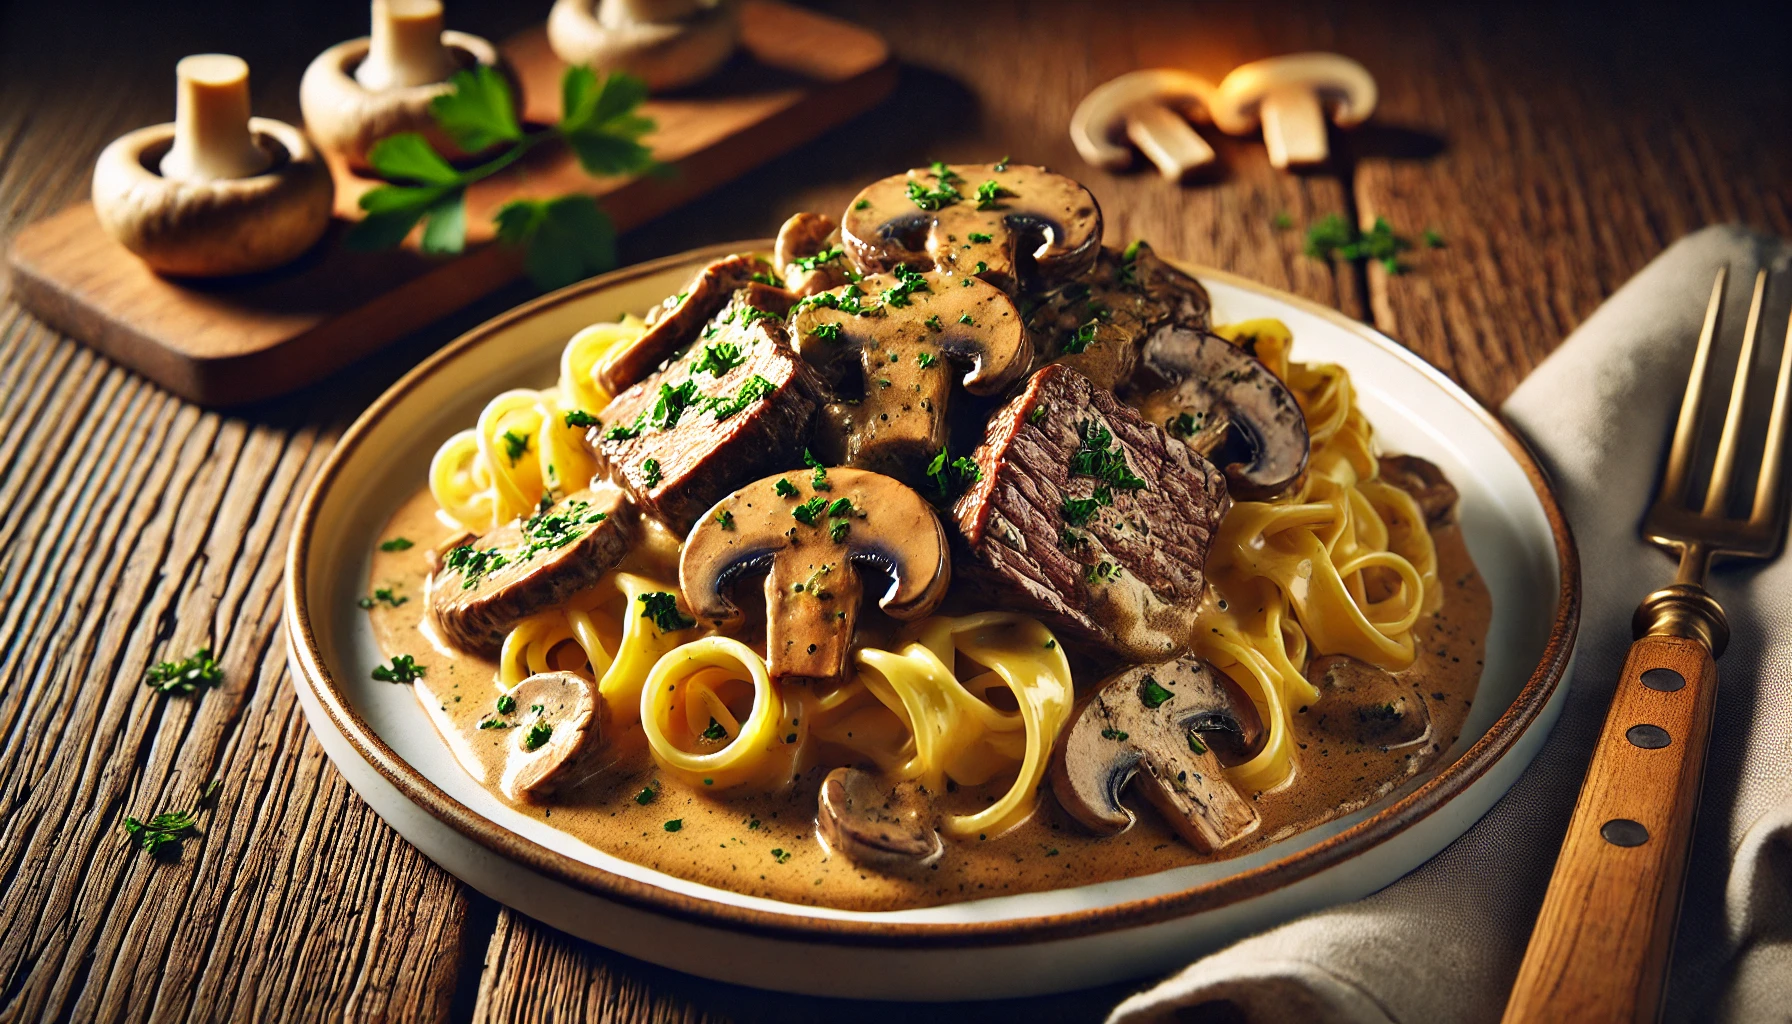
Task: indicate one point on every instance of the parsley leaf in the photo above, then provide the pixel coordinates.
(539, 732)
(662, 608)
(161, 835)
(990, 194)
(600, 124)
(829, 332)
(404, 669)
(809, 511)
(1153, 694)
(726, 518)
(195, 672)
(715, 733)
(478, 112)
(581, 418)
(933, 199)
(568, 239)
(397, 544)
(952, 477)
(650, 472)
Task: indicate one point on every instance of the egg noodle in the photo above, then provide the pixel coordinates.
(1342, 564)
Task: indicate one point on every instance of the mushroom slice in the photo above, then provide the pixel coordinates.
(878, 826)
(558, 737)
(1427, 485)
(997, 221)
(1098, 322)
(811, 550)
(907, 345)
(1228, 406)
(808, 254)
(1151, 108)
(1173, 725)
(675, 323)
(1359, 703)
(1289, 96)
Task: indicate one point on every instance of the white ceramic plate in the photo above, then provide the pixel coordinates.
(1013, 945)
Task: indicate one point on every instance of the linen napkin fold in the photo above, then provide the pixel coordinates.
(1444, 943)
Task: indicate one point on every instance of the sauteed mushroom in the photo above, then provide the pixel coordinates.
(997, 221)
(926, 325)
(811, 552)
(1426, 483)
(1363, 704)
(808, 256)
(1173, 725)
(1220, 397)
(888, 828)
(557, 734)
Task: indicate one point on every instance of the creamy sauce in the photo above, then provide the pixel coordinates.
(767, 846)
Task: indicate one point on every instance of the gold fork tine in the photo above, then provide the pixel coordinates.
(1718, 493)
(1673, 484)
(1767, 491)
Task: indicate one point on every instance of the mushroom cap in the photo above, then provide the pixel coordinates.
(1100, 119)
(812, 586)
(1362, 704)
(807, 235)
(1041, 224)
(875, 824)
(568, 709)
(1346, 86)
(1233, 396)
(1172, 725)
(665, 54)
(214, 228)
(348, 119)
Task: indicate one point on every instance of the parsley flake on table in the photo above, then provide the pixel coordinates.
(194, 672)
(161, 835)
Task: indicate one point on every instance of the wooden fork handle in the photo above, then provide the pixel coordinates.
(1600, 948)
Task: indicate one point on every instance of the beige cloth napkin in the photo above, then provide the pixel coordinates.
(1444, 943)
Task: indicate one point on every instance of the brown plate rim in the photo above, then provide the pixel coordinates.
(1372, 831)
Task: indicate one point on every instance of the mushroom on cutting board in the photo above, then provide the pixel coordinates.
(877, 825)
(361, 91)
(1224, 403)
(811, 551)
(1152, 109)
(1172, 726)
(902, 362)
(557, 734)
(667, 43)
(999, 222)
(1290, 96)
(216, 192)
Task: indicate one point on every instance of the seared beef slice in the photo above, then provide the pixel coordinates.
(735, 406)
(484, 588)
(1091, 518)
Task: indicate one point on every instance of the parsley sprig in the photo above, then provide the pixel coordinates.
(566, 238)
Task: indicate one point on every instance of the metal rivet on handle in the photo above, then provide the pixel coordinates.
(1649, 737)
(1664, 679)
(1624, 832)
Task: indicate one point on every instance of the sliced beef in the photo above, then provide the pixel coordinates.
(1091, 517)
(484, 588)
(734, 407)
(676, 323)
(1098, 322)
(1427, 485)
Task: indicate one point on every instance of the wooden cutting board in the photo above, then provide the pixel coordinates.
(232, 341)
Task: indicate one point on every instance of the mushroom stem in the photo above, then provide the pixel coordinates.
(1167, 140)
(211, 121)
(406, 46)
(1294, 127)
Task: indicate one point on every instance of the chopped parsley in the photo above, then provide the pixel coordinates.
(828, 332)
(718, 359)
(1195, 744)
(785, 489)
(1078, 510)
(979, 236)
(650, 472)
(726, 518)
(989, 195)
(397, 544)
(814, 262)
(404, 669)
(846, 300)
(933, 323)
(506, 704)
(908, 282)
(1051, 644)
(1432, 239)
(965, 318)
(494, 723)
(624, 431)
(953, 476)
(581, 418)
(382, 595)
(809, 511)
(194, 672)
(1184, 424)
(1102, 572)
(515, 445)
(1080, 338)
(674, 825)
(781, 856)
(863, 204)
(1113, 734)
(1000, 165)
(837, 530)
(1094, 458)
(161, 835)
(926, 359)
(1334, 237)
(818, 479)
(715, 733)
(544, 531)
(767, 278)
(662, 608)
(753, 390)
(646, 795)
(1153, 694)
(538, 733)
(1281, 221)
(943, 171)
(944, 194)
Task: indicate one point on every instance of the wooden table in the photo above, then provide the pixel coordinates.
(1555, 153)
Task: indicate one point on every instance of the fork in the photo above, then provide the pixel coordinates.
(1600, 948)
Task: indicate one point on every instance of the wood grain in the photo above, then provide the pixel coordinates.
(1600, 949)
(1554, 152)
(231, 341)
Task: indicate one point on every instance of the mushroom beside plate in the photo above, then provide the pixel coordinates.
(1073, 937)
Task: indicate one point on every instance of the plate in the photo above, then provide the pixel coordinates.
(381, 740)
